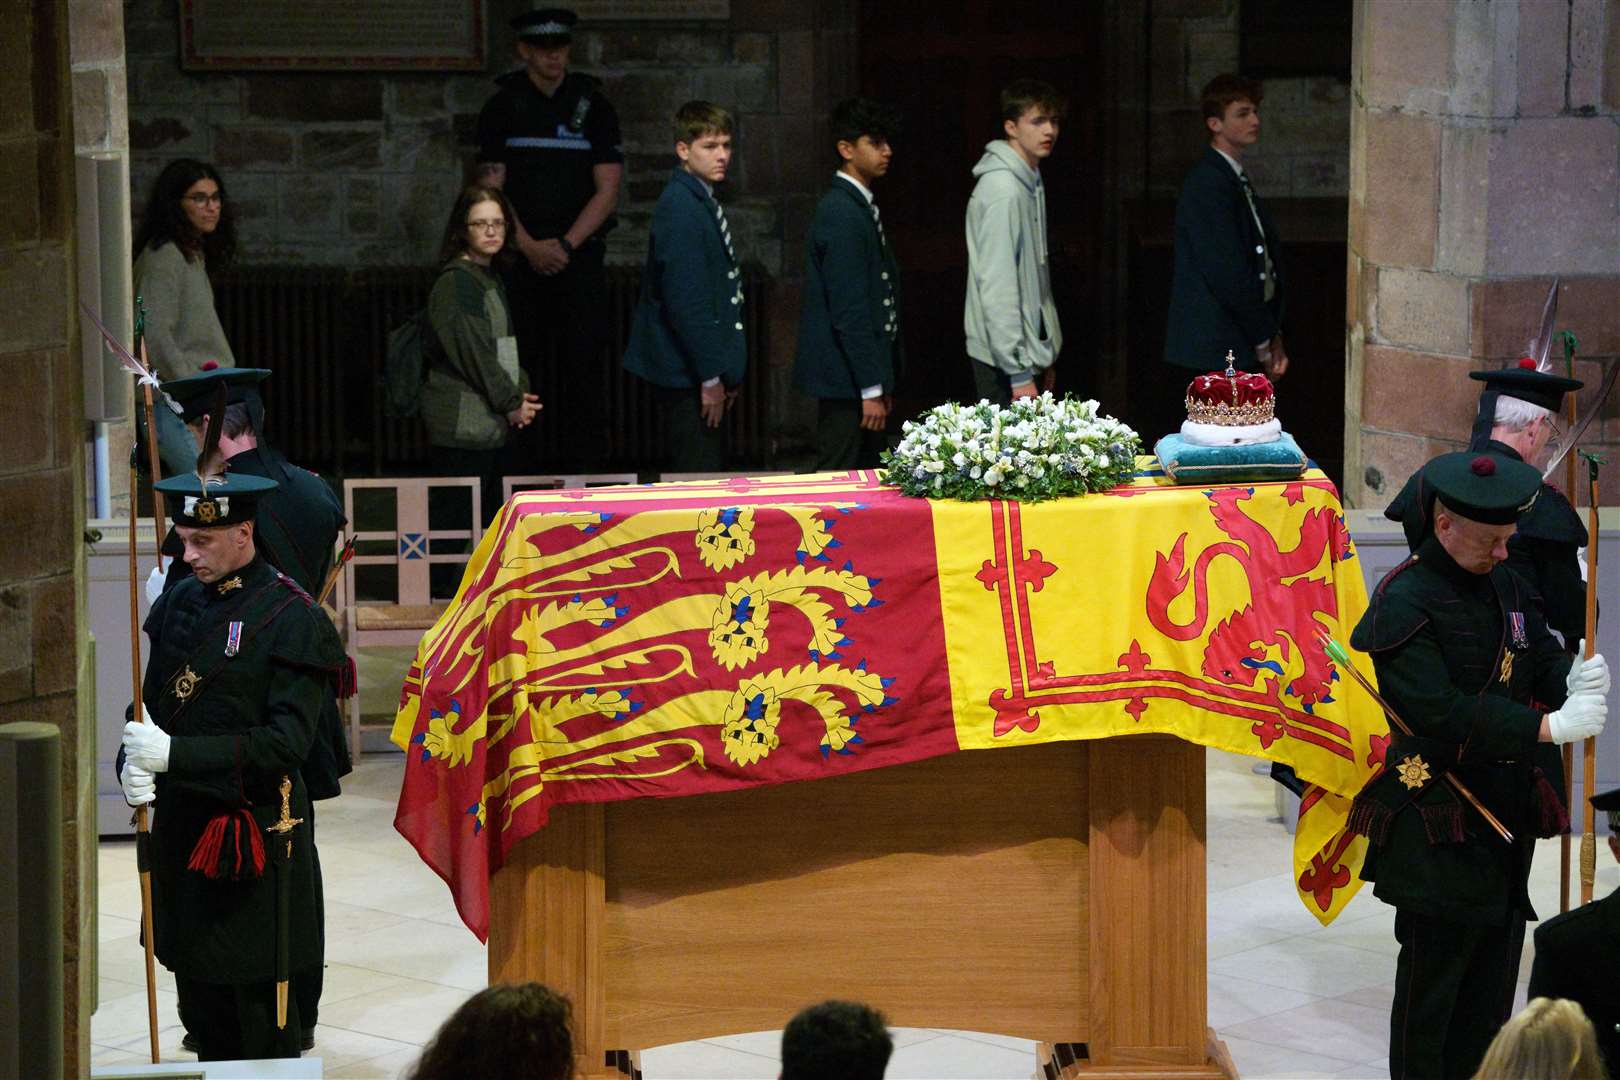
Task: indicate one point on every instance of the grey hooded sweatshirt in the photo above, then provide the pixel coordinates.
(1009, 291)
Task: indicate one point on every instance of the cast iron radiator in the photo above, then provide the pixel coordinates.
(323, 331)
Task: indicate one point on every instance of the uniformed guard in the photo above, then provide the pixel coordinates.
(296, 527)
(1464, 657)
(299, 522)
(550, 140)
(1578, 952)
(241, 665)
(1518, 418)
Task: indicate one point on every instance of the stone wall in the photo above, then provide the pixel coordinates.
(1486, 144)
(1305, 122)
(360, 169)
(43, 658)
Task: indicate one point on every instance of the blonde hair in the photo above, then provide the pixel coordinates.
(1550, 1040)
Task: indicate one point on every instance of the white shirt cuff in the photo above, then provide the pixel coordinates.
(870, 392)
(711, 382)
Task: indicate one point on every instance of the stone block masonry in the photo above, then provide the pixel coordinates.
(360, 169)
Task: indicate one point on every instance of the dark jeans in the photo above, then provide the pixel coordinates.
(841, 442)
(690, 445)
(232, 1022)
(561, 323)
(1453, 992)
(990, 383)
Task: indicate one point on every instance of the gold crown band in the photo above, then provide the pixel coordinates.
(1226, 415)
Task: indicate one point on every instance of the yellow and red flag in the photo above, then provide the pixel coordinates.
(676, 639)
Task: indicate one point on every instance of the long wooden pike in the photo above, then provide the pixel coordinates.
(1337, 654)
(1589, 748)
(143, 829)
(1568, 749)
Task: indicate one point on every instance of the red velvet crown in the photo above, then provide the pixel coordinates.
(1230, 398)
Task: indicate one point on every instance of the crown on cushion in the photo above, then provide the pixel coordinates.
(1230, 398)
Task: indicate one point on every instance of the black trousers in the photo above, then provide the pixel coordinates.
(447, 508)
(1454, 989)
(990, 382)
(239, 1022)
(690, 445)
(841, 442)
(561, 323)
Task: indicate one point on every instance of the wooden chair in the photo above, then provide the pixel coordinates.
(408, 548)
(564, 481)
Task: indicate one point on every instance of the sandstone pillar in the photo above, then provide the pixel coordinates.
(1485, 143)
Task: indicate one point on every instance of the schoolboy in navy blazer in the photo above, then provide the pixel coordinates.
(1229, 286)
(687, 335)
(849, 348)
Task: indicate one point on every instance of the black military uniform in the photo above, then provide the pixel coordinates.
(1466, 660)
(239, 672)
(1544, 550)
(295, 529)
(550, 145)
(1578, 955)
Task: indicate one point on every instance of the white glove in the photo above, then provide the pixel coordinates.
(1588, 676)
(154, 580)
(1580, 560)
(146, 745)
(1581, 718)
(140, 787)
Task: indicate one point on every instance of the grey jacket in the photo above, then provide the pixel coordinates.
(1009, 290)
(182, 327)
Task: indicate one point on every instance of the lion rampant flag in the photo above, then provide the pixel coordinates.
(676, 639)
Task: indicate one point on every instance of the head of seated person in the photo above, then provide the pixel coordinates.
(506, 1032)
(1551, 1039)
(836, 1038)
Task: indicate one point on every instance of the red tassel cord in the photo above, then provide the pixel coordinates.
(229, 849)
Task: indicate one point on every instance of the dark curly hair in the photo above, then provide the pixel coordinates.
(455, 227)
(164, 220)
(842, 1039)
(505, 1032)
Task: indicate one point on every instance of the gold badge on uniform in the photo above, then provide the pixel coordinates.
(185, 683)
(1507, 668)
(230, 583)
(1414, 772)
(207, 511)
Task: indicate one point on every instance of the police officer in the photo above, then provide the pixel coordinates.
(1578, 952)
(550, 140)
(240, 667)
(295, 529)
(1464, 657)
(1517, 418)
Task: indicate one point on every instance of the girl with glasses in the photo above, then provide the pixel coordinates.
(476, 393)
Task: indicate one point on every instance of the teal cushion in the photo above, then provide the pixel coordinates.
(1188, 464)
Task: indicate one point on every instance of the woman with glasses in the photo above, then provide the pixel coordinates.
(186, 232)
(476, 393)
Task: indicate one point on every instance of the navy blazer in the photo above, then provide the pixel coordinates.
(1217, 296)
(688, 326)
(849, 320)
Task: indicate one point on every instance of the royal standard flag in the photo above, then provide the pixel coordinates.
(675, 639)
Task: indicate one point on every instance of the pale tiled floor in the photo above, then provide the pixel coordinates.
(1291, 998)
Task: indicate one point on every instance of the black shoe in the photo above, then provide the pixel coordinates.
(307, 1043)
(189, 1043)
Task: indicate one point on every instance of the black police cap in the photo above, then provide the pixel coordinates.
(546, 26)
(227, 500)
(1608, 801)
